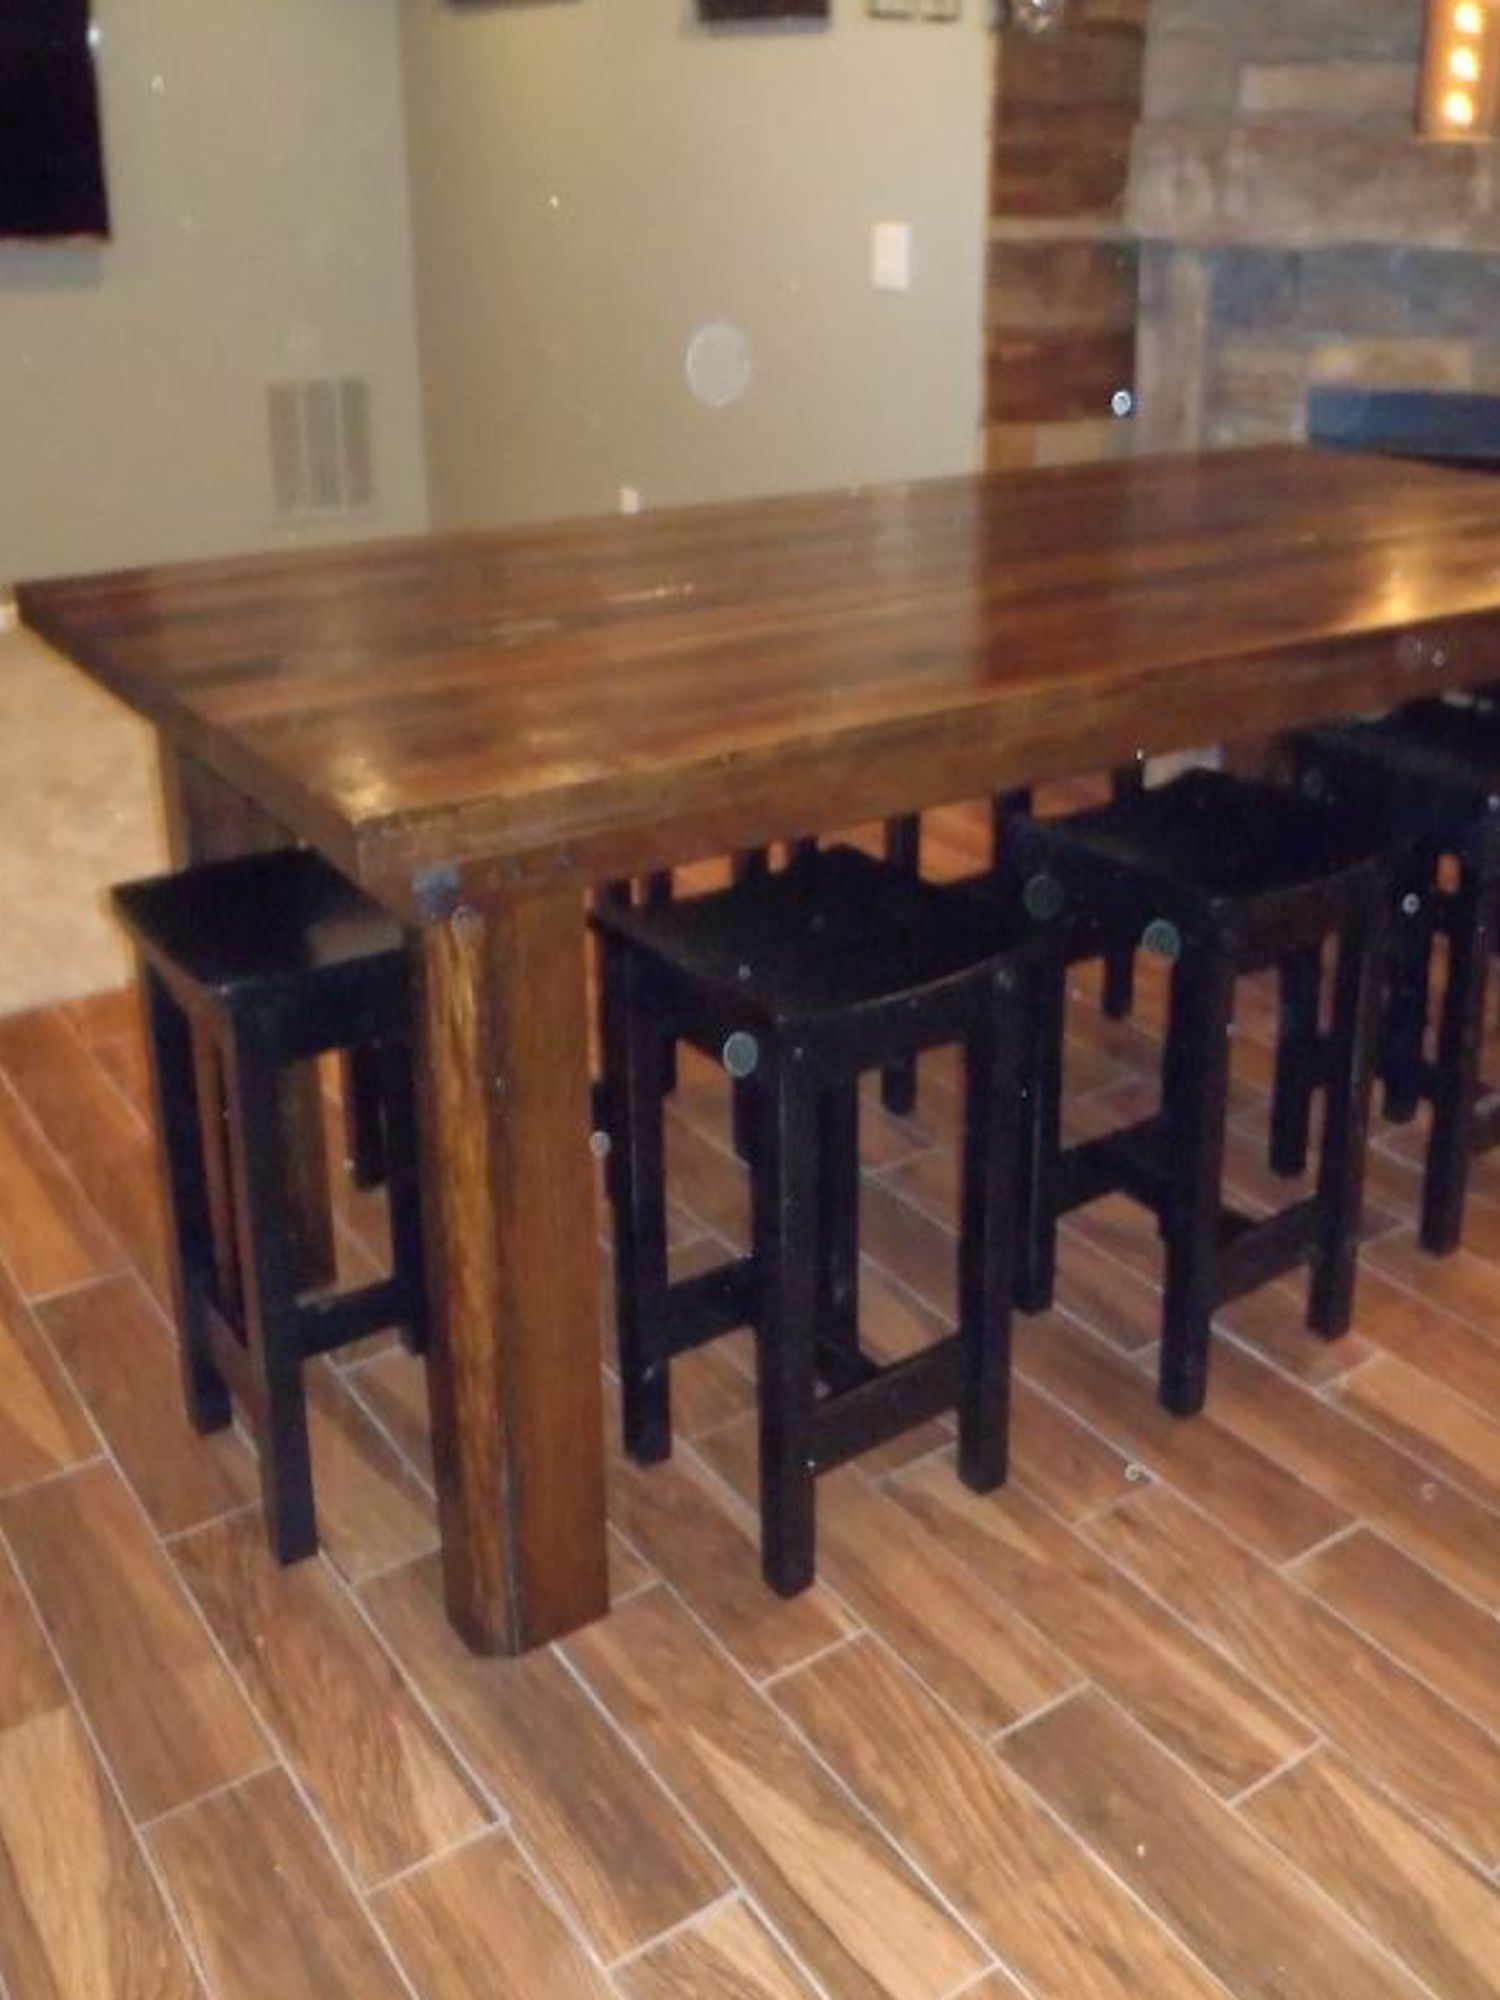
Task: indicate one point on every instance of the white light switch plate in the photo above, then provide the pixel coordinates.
(890, 257)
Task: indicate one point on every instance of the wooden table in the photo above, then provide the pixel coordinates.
(477, 727)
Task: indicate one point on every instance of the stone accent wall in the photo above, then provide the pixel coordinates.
(1279, 321)
(1293, 227)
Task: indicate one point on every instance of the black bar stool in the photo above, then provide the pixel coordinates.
(247, 967)
(897, 1083)
(800, 981)
(1125, 782)
(1429, 777)
(1221, 877)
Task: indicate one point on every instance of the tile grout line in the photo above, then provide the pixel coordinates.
(180, 1928)
(488, 1830)
(1289, 1567)
(46, 1146)
(349, 1377)
(169, 1814)
(1093, 1857)
(1401, 1284)
(172, 1539)
(1037, 1714)
(812, 1659)
(60, 1472)
(278, 1759)
(1400, 1666)
(1453, 1472)
(353, 1592)
(38, 1301)
(1320, 1896)
(1287, 1765)
(745, 1517)
(1154, 1597)
(316, 1820)
(842, 1786)
(501, 1825)
(1406, 1667)
(560, 1906)
(860, 1627)
(1428, 1474)
(690, 1819)
(734, 1896)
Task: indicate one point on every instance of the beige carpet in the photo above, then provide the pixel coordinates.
(78, 810)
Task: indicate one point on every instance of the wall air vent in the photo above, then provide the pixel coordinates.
(320, 446)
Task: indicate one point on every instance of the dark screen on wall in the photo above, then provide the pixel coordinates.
(51, 155)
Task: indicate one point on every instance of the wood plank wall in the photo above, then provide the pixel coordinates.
(1062, 274)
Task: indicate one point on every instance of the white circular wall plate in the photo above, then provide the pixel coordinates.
(719, 364)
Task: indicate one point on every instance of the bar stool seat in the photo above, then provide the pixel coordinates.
(1117, 996)
(1220, 877)
(1429, 776)
(247, 967)
(799, 982)
(838, 931)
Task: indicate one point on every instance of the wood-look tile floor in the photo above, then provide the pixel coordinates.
(1188, 1710)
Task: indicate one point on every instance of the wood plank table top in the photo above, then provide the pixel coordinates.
(477, 726)
(595, 696)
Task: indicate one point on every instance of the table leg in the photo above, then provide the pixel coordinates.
(513, 1331)
(208, 820)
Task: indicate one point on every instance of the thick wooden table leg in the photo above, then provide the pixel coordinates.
(513, 1336)
(208, 820)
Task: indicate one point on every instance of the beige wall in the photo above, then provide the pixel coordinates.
(593, 179)
(257, 174)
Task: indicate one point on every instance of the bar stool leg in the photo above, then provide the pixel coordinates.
(191, 1253)
(661, 888)
(1119, 983)
(1195, 1098)
(393, 1064)
(211, 1093)
(742, 1110)
(750, 864)
(1298, 1060)
(903, 849)
(839, 1360)
(992, 1093)
(1004, 807)
(784, 1180)
(1126, 781)
(1341, 1173)
(1410, 961)
(1470, 924)
(1041, 1036)
(638, 1190)
(364, 1128)
(279, 1412)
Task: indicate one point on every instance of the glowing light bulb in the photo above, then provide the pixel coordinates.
(1464, 64)
(1458, 108)
(1468, 17)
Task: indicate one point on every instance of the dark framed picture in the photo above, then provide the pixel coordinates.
(763, 10)
(51, 149)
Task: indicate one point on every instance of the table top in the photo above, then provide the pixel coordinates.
(603, 696)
